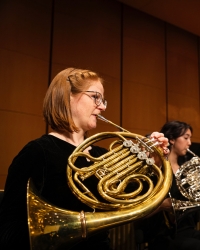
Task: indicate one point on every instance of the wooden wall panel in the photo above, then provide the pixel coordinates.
(143, 88)
(24, 52)
(183, 78)
(87, 34)
(17, 132)
(23, 82)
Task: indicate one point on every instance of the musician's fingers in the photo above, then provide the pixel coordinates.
(159, 137)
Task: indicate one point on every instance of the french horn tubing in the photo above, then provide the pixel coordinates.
(128, 164)
(188, 182)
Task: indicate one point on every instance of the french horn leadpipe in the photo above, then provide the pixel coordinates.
(189, 151)
(126, 162)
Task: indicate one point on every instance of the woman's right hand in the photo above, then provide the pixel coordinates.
(166, 205)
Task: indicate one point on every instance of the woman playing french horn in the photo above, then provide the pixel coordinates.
(73, 100)
(171, 231)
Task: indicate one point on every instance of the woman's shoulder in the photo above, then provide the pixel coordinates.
(46, 140)
(36, 143)
(33, 147)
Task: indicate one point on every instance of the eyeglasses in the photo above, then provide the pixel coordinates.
(97, 98)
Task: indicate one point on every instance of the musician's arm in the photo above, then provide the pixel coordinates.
(166, 205)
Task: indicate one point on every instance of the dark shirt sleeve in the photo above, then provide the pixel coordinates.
(13, 212)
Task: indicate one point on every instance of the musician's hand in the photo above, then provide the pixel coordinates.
(163, 141)
(166, 205)
(168, 208)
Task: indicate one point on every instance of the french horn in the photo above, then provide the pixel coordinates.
(129, 160)
(188, 182)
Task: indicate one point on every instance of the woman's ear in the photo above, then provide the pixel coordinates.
(171, 141)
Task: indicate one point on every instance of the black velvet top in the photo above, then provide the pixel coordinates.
(44, 160)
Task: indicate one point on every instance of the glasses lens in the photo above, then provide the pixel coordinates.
(98, 98)
(105, 103)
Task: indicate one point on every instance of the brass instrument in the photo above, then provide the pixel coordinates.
(129, 160)
(188, 182)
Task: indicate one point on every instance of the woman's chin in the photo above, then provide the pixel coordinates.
(92, 126)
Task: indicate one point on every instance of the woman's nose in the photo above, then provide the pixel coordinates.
(102, 106)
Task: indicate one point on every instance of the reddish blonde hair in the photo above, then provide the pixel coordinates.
(56, 105)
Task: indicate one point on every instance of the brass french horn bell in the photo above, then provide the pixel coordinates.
(129, 161)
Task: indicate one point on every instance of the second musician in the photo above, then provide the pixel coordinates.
(162, 230)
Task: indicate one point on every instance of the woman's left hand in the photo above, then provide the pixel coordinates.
(162, 141)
